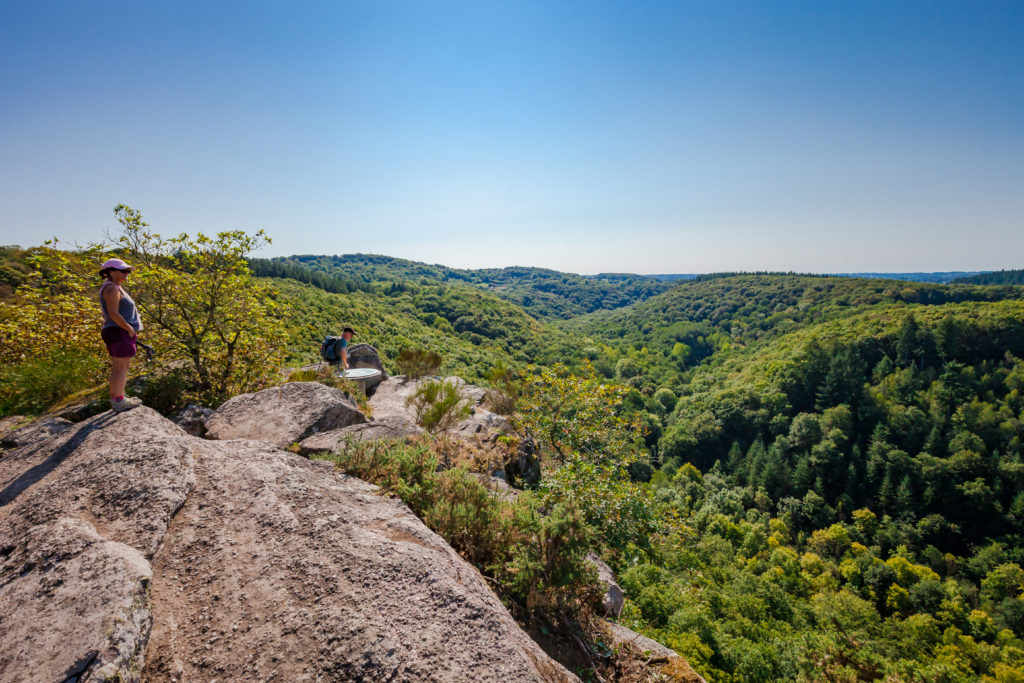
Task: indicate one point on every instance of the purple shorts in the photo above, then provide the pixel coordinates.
(120, 344)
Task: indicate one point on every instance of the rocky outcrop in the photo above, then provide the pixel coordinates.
(32, 432)
(672, 665)
(131, 549)
(192, 419)
(390, 399)
(366, 356)
(613, 597)
(387, 428)
(284, 415)
(82, 512)
(482, 423)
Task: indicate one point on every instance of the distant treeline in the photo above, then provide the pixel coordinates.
(329, 283)
(996, 277)
(705, 277)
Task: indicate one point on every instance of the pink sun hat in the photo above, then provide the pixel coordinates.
(115, 263)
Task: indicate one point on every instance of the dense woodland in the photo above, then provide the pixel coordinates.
(997, 277)
(841, 457)
(544, 294)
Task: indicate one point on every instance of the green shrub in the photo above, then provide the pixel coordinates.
(168, 392)
(438, 406)
(33, 385)
(416, 363)
(537, 559)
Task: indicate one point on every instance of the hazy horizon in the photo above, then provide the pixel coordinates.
(663, 137)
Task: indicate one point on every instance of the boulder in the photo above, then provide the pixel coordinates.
(283, 415)
(89, 592)
(389, 400)
(365, 356)
(482, 423)
(33, 431)
(613, 597)
(391, 396)
(384, 429)
(192, 419)
(131, 550)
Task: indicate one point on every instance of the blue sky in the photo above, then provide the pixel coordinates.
(584, 136)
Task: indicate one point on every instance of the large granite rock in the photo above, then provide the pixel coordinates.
(82, 512)
(384, 429)
(389, 400)
(613, 597)
(130, 549)
(366, 356)
(283, 415)
(33, 431)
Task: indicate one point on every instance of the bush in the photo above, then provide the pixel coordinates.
(416, 363)
(168, 392)
(32, 386)
(538, 559)
(438, 406)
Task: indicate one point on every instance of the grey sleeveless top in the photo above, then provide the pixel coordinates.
(126, 307)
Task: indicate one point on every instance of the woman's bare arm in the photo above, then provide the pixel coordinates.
(112, 297)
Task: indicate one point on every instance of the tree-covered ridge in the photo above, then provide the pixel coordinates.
(997, 277)
(855, 492)
(473, 331)
(543, 293)
(662, 337)
(329, 283)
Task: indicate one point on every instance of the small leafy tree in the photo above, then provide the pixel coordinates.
(578, 413)
(200, 296)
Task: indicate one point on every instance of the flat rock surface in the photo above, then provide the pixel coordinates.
(384, 429)
(391, 396)
(129, 548)
(283, 415)
(33, 431)
(282, 568)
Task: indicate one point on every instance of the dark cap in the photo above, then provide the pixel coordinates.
(349, 329)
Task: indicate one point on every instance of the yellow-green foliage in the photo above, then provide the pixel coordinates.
(50, 345)
(199, 296)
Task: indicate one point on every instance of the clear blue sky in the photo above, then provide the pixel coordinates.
(584, 136)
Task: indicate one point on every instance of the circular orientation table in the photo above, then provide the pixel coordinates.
(361, 374)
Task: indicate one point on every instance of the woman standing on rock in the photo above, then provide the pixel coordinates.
(121, 324)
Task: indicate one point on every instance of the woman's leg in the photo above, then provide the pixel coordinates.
(118, 375)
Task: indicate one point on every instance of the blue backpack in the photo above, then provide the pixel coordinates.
(330, 349)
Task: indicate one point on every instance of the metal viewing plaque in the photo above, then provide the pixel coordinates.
(360, 373)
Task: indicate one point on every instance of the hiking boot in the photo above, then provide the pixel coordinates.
(126, 403)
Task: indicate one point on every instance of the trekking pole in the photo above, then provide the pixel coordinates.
(150, 353)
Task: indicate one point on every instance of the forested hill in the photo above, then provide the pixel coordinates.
(996, 277)
(544, 294)
(667, 334)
